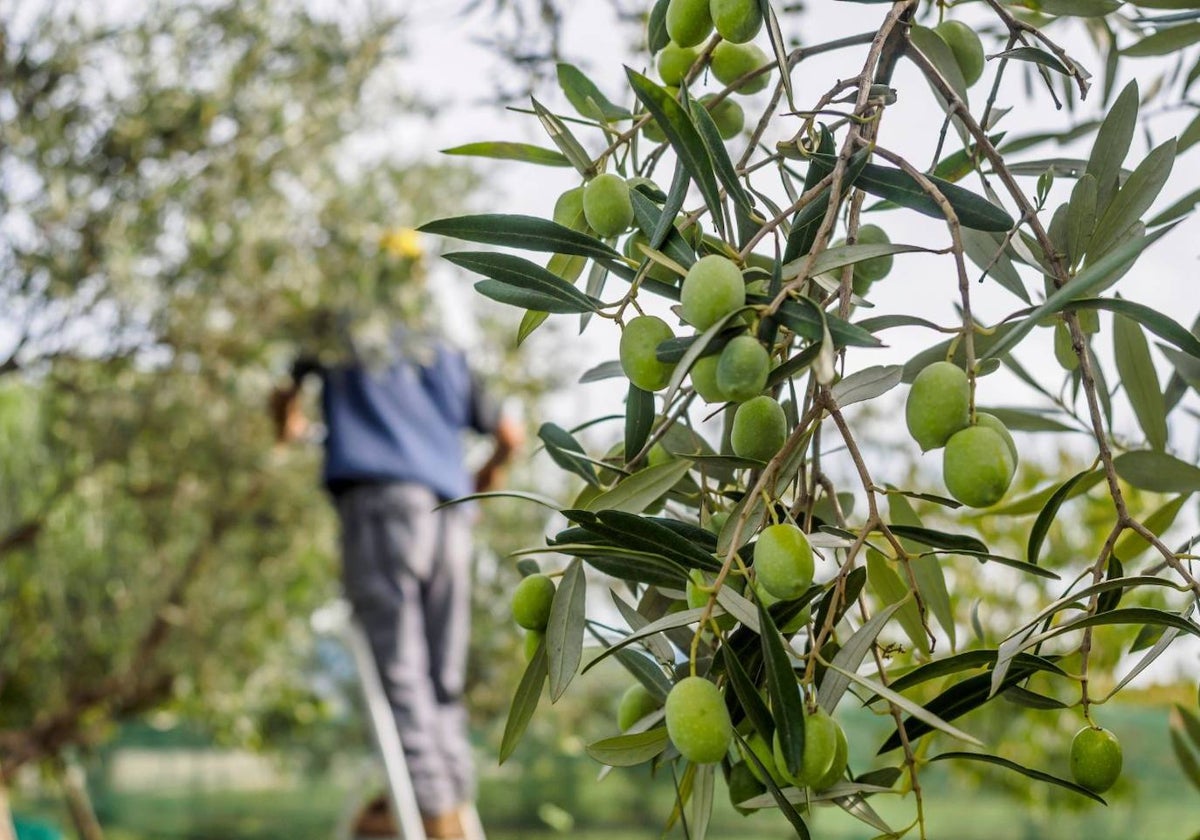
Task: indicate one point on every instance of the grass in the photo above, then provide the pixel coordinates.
(543, 789)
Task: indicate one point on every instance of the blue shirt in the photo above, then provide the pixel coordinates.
(401, 422)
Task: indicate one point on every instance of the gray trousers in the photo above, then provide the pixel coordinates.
(406, 571)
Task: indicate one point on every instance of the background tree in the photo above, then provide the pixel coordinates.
(734, 233)
(190, 193)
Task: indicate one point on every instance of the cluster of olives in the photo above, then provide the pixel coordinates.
(531, 604)
(712, 290)
(689, 22)
(981, 456)
(699, 726)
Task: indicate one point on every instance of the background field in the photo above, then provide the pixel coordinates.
(553, 794)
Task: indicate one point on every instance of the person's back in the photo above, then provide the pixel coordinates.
(402, 421)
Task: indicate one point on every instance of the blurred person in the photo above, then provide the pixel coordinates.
(395, 419)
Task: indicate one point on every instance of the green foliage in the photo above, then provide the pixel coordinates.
(185, 225)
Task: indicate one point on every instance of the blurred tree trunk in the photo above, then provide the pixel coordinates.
(79, 804)
(7, 832)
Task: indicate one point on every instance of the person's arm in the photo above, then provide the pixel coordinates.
(287, 416)
(508, 437)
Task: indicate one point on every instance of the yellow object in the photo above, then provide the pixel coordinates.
(402, 242)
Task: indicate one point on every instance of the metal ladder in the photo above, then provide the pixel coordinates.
(383, 727)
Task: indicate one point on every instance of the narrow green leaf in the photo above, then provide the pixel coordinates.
(1187, 760)
(1027, 699)
(855, 582)
(1151, 319)
(529, 233)
(564, 633)
(1095, 276)
(867, 384)
(564, 139)
(1127, 615)
(722, 165)
(684, 139)
(779, 47)
(1158, 472)
(646, 671)
(648, 631)
(1034, 55)
(657, 644)
(629, 750)
(1165, 41)
(934, 47)
(966, 661)
(807, 221)
(973, 211)
(650, 219)
(644, 533)
(525, 701)
(834, 685)
(639, 418)
(562, 447)
(1178, 210)
(1112, 144)
(1027, 420)
(1111, 599)
(511, 151)
(528, 298)
(523, 274)
(987, 251)
(921, 713)
(1189, 136)
(635, 493)
(1041, 526)
(656, 29)
(844, 255)
(624, 564)
(952, 703)
(1034, 502)
(1166, 637)
(927, 569)
(780, 799)
(585, 97)
(672, 204)
(702, 800)
(1189, 722)
(931, 581)
(784, 692)
(1139, 379)
(1135, 196)
(807, 320)
(1037, 775)
(939, 539)
(894, 591)
(1081, 217)
(544, 501)
(747, 694)
(530, 321)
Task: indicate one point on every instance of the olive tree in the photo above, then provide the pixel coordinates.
(733, 225)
